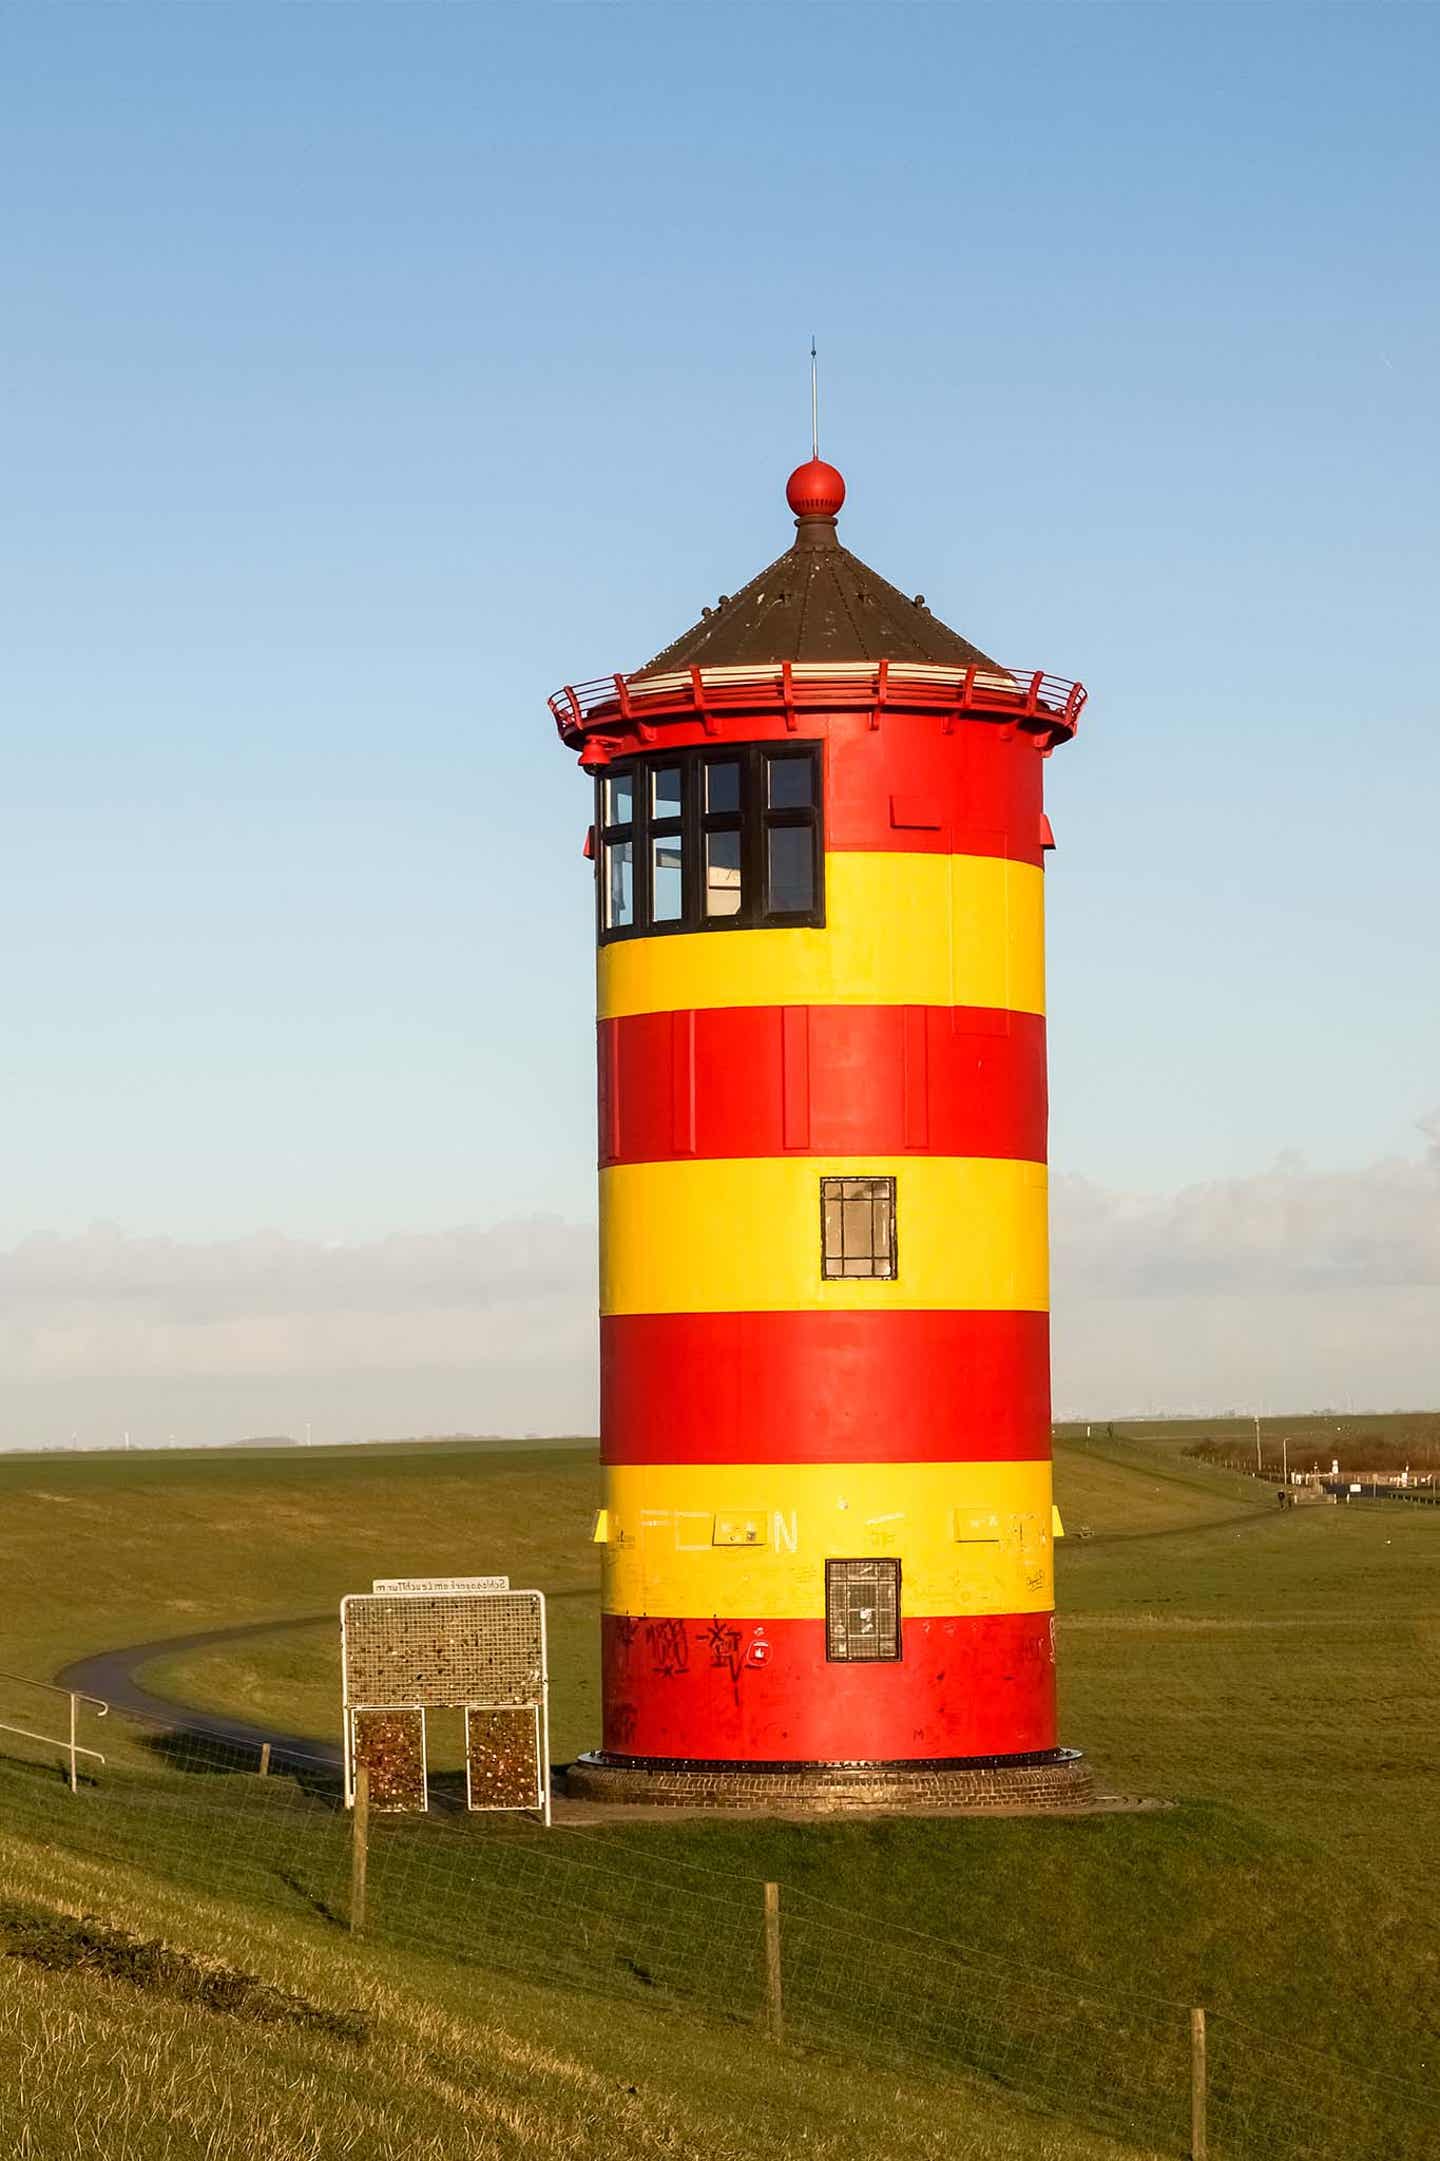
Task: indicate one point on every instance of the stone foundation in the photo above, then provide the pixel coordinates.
(1061, 1779)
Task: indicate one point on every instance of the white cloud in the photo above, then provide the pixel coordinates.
(1292, 1287)
(482, 1330)
(1285, 1229)
(1354, 1350)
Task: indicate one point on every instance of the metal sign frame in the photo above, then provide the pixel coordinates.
(470, 1691)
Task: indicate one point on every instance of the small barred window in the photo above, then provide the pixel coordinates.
(862, 1610)
(857, 1228)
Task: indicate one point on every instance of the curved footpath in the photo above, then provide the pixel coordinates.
(110, 1675)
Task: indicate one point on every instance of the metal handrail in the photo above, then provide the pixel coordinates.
(52, 1740)
(53, 1688)
(582, 710)
(71, 1746)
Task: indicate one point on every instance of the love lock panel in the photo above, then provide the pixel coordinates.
(389, 1743)
(503, 1762)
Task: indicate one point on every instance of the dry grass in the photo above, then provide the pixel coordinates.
(453, 2069)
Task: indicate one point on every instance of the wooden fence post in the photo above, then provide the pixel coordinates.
(1199, 2139)
(774, 2001)
(264, 1759)
(359, 1849)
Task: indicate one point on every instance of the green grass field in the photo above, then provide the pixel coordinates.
(1275, 1674)
(458, 2064)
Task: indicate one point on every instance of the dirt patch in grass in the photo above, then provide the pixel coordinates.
(62, 1943)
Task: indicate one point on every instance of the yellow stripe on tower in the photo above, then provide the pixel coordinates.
(742, 1235)
(694, 1540)
(899, 930)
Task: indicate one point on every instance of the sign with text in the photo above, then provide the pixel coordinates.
(436, 1586)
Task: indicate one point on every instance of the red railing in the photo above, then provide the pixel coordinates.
(1049, 704)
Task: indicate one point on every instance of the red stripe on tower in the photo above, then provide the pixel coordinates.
(825, 1387)
(837, 1080)
(750, 1691)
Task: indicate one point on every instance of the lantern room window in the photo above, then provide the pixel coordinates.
(862, 1611)
(620, 885)
(700, 840)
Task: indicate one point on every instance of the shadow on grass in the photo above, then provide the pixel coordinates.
(201, 1755)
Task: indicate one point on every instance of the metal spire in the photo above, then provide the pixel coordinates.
(814, 401)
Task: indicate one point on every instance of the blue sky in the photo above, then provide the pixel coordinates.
(370, 371)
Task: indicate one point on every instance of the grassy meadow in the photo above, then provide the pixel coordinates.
(455, 2064)
(1273, 1674)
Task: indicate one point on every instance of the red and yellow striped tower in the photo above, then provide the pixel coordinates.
(825, 1418)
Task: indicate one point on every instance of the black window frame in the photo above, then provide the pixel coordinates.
(839, 1273)
(839, 1649)
(754, 821)
(616, 831)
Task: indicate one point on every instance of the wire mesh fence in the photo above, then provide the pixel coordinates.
(566, 1909)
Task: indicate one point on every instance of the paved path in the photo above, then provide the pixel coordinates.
(111, 1676)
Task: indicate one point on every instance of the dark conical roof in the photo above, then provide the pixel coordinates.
(817, 602)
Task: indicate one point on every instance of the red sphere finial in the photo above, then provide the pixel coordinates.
(815, 490)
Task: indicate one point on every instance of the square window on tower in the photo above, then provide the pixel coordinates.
(857, 1228)
(862, 1611)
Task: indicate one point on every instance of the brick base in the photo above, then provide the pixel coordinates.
(1062, 1779)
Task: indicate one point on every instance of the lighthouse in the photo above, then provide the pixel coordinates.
(826, 1521)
